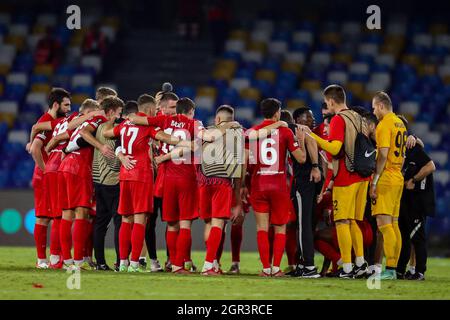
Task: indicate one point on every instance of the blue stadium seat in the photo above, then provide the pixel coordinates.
(231, 55)
(227, 96)
(38, 78)
(185, 91)
(265, 87)
(244, 73)
(4, 178)
(15, 91)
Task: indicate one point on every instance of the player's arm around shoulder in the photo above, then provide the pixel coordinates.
(111, 132)
(297, 148)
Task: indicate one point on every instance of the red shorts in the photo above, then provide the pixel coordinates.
(135, 197)
(277, 203)
(75, 191)
(51, 189)
(180, 200)
(215, 201)
(40, 200)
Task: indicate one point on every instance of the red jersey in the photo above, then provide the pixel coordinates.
(80, 162)
(344, 177)
(135, 141)
(45, 137)
(59, 126)
(185, 128)
(268, 157)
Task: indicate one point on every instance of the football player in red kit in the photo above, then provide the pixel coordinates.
(136, 183)
(61, 129)
(180, 184)
(270, 196)
(76, 184)
(59, 105)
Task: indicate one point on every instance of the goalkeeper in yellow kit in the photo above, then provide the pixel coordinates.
(387, 185)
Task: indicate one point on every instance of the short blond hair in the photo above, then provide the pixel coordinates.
(104, 92)
(89, 104)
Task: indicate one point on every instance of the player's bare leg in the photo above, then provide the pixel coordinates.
(126, 228)
(182, 246)
(40, 237)
(212, 244)
(65, 237)
(262, 236)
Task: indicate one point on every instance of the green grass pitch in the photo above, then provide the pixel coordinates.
(20, 280)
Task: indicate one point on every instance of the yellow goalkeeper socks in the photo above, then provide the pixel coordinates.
(398, 235)
(389, 244)
(345, 242)
(357, 242)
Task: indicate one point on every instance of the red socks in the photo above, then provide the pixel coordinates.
(271, 236)
(262, 238)
(236, 240)
(291, 245)
(220, 249)
(55, 244)
(40, 238)
(327, 250)
(183, 247)
(279, 243)
(65, 236)
(125, 240)
(171, 242)
(79, 238)
(137, 241)
(214, 239)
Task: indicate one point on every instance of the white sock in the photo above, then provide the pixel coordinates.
(339, 262)
(216, 264)
(310, 268)
(134, 264)
(54, 259)
(68, 262)
(301, 266)
(359, 261)
(267, 270)
(124, 263)
(371, 268)
(275, 269)
(412, 269)
(378, 268)
(40, 261)
(347, 267)
(236, 263)
(207, 266)
(78, 262)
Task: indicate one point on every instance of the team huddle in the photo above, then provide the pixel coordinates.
(335, 188)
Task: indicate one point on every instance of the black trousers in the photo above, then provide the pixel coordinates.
(412, 222)
(304, 197)
(150, 230)
(107, 205)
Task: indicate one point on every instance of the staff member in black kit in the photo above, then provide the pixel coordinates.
(305, 190)
(418, 202)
